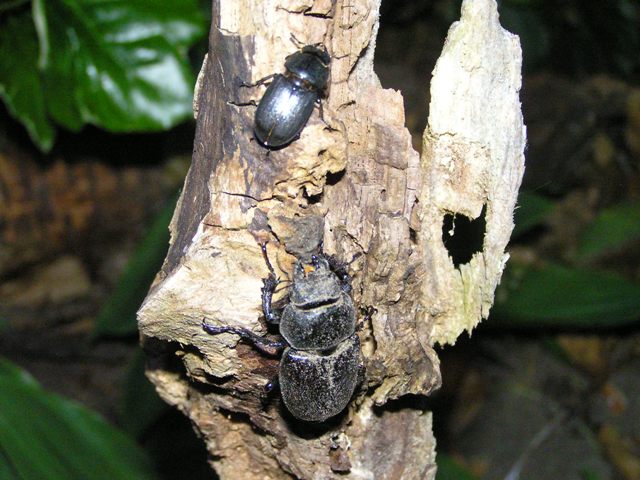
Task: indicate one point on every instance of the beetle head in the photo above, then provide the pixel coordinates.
(314, 283)
(320, 51)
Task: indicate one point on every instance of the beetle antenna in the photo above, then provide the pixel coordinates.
(296, 42)
(280, 289)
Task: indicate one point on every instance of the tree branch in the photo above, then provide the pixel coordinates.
(359, 188)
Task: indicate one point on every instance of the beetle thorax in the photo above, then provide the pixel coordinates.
(309, 68)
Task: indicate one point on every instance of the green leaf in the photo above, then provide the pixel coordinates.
(589, 475)
(118, 315)
(556, 296)
(610, 231)
(44, 436)
(20, 82)
(118, 64)
(6, 470)
(532, 210)
(449, 469)
(141, 406)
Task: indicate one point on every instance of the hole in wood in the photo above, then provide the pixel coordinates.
(462, 236)
(333, 178)
(311, 199)
(413, 235)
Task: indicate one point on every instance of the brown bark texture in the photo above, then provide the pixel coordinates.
(66, 205)
(355, 184)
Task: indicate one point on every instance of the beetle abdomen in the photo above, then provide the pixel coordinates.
(316, 387)
(283, 112)
(320, 328)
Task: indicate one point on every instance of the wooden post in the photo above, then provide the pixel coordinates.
(356, 184)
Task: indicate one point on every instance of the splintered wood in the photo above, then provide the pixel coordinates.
(472, 161)
(353, 184)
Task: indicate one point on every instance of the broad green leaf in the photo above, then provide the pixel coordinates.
(557, 296)
(449, 469)
(20, 82)
(6, 470)
(141, 406)
(531, 211)
(118, 315)
(118, 64)
(611, 230)
(589, 475)
(44, 436)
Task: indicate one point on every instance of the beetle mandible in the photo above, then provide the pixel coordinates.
(290, 98)
(321, 364)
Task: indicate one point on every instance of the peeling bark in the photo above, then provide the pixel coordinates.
(472, 162)
(356, 185)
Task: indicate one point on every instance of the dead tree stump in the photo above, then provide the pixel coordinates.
(355, 184)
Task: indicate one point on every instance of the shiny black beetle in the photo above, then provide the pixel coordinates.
(321, 365)
(289, 100)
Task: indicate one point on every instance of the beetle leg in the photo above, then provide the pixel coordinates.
(368, 314)
(269, 389)
(265, 345)
(265, 255)
(269, 285)
(272, 385)
(321, 114)
(321, 111)
(262, 81)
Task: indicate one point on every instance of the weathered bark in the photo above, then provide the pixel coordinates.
(358, 186)
(472, 164)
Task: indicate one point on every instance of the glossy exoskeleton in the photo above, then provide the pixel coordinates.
(289, 100)
(321, 365)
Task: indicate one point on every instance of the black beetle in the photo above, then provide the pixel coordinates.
(322, 364)
(289, 100)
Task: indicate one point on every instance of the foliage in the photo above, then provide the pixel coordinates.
(531, 211)
(37, 429)
(118, 314)
(554, 295)
(613, 229)
(120, 65)
(141, 406)
(449, 469)
(557, 296)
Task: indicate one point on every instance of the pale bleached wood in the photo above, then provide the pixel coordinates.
(473, 157)
(236, 196)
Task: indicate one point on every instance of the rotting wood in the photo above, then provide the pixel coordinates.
(472, 162)
(358, 182)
